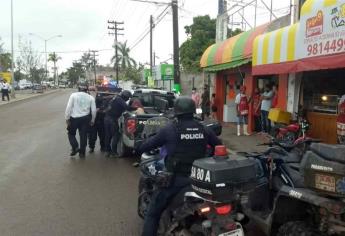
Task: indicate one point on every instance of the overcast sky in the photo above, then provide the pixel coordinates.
(83, 24)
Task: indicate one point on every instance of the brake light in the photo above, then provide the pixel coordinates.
(220, 151)
(131, 126)
(223, 210)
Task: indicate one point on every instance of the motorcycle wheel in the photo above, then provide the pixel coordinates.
(122, 149)
(144, 201)
(296, 228)
(289, 138)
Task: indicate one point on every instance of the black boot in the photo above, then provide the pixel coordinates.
(74, 152)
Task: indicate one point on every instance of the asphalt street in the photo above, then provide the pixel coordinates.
(45, 192)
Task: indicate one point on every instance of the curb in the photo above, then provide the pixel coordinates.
(31, 97)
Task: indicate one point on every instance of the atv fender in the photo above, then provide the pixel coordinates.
(312, 198)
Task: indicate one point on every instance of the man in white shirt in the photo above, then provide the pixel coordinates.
(80, 113)
(5, 87)
(266, 105)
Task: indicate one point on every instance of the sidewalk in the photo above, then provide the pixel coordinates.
(241, 143)
(24, 95)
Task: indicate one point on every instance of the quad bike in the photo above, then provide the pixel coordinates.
(299, 194)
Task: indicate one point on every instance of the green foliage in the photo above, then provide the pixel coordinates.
(76, 72)
(133, 74)
(202, 33)
(123, 57)
(5, 59)
(53, 57)
(232, 33)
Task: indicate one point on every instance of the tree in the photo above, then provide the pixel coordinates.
(201, 34)
(123, 58)
(76, 72)
(5, 59)
(53, 57)
(133, 73)
(29, 60)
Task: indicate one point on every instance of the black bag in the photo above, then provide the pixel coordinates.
(221, 179)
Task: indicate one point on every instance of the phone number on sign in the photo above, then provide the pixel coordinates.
(326, 47)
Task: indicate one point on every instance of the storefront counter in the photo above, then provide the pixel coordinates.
(323, 126)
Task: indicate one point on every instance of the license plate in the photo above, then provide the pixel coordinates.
(325, 182)
(236, 232)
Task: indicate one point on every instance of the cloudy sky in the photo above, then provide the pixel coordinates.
(83, 25)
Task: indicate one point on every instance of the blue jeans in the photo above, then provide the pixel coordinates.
(159, 203)
(265, 122)
(242, 120)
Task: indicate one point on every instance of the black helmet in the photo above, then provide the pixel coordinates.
(184, 105)
(125, 95)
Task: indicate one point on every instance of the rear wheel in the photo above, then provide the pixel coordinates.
(296, 228)
(122, 149)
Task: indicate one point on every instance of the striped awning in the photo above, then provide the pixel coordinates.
(275, 47)
(232, 52)
(316, 42)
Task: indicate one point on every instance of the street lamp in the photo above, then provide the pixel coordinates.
(45, 47)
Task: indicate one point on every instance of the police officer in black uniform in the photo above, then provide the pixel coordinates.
(185, 141)
(116, 107)
(98, 128)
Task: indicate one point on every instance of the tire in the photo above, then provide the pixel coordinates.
(289, 138)
(296, 228)
(122, 149)
(144, 201)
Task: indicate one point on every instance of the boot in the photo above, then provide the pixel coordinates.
(245, 130)
(238, 130)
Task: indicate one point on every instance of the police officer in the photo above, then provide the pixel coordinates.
(98, 128)
(185, 140)
(116, 107)
(80, 113)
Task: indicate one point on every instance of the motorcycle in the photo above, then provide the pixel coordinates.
(189, 212)
(299, 195)
(292, 133)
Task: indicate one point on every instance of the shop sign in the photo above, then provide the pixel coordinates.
(322, 31)
(6, 76)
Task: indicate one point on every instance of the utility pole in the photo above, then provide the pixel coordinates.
(151, 41)
(12, 54)
(177, 85)
(94, 64)
(114, 25)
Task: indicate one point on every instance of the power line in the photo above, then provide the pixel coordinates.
(148, 31)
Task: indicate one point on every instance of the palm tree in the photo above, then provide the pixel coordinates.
(53, 57)
(123, 58)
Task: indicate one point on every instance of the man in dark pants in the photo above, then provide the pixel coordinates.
(5, 87)
(185, 140)
(116, 107)
(98, 128)
(78, 117)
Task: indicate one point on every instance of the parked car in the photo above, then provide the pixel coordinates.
(37, 88)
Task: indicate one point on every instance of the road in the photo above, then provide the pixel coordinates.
(45, 192)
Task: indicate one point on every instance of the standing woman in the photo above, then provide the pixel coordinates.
(214, 107)
(242, 106)
(341, 121)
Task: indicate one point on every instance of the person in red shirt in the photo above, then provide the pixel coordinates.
(242, 106)
(341, 121)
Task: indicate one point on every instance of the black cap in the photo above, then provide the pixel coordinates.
(184, 105)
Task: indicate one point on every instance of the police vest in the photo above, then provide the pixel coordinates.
(190, 146)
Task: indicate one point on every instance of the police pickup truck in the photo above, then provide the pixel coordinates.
(156, 103)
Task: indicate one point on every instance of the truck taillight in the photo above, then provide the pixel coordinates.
(223, 210)
(131, 126)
